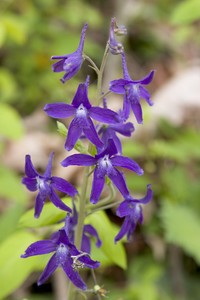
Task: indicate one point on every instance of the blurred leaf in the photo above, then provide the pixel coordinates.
(2, 33)
(186, 12)
(7, 86)
(107, 231)
(13, 269)
(9, 220)
(133, 148)
(16, 28)
(182, 227)
(10, 123)
(11, 187)
(49, 215)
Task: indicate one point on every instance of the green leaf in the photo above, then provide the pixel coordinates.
(49, 216)
(13, 269)
(114, 253)
(8, 86)
(11, 187)
(182, 227)
(186, 12)
(16, 28)
(10, 123)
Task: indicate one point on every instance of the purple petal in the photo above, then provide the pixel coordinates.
(85, 244)
(73, 275)
(124, 209)
(79, 160)
(123, 231)
(58, 66)
(118, 86)
(148, 196)
(137, 110)
(131, 229)
(88, 262)
(126, 162)
(97, 186)
(50, 268)
(126, 107)
(40, 247)
(81, 97)
(57, 202)
(47, 173)
(92, 231)
(63, 186)
(119, 181)
(76, 65)
(104, 115)
(124, 129)
(147, 79)
(82, 39)
(91, 134)
(74, 132)
(60, 56)
(109, 150)
(59, 110)
(39, 203)
(30, 183)
(145, 95)
(29, 168)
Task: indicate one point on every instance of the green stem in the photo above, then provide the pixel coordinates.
(94, 66)
(100, 77)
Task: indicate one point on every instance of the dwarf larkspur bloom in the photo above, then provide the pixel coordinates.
(105, 165)
(70, 63)
(82, 111)
(46, 184)
(131, 209)
(66, 256)
(89, 231)
(132, 90)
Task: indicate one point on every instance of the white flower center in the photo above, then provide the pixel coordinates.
(81, 111)
(105, 162)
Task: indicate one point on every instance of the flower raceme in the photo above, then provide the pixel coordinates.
(82, 111)
(132, 90)
(70, 63)
(66, 256)
(46, 184)
(131, 209)
(105, 165)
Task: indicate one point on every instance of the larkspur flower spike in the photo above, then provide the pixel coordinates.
(45, 184)
(70, 63)
(115, 47)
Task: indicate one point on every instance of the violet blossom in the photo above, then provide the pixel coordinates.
(46, 184)
(132, 90)
(82, 111)
(115, 47)
(131, 209)
(105, 165)
(70, 63)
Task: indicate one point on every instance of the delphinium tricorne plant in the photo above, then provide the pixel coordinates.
(102, 157)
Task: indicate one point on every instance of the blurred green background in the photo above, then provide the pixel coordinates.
(164, 256)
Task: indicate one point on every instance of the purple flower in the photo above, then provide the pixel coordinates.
(89, 231)
(131, 209)
(82, 111)
(46, 184)
(114, 46)
(108, 132)
(70, 63)
(105, 165)
(132, 90)
(65, 256)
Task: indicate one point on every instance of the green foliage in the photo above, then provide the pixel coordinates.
(10, 187)
(115, 253)
(13, 270)
(10, 122)
(186, 12)
(182, 225)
